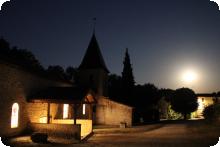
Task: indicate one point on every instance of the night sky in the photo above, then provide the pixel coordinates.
(164, 37)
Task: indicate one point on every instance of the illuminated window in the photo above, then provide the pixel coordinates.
(14, 115)
(65, 110)
(84, 109)
(201, 104)
(43, 119)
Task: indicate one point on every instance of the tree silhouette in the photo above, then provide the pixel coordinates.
(71, 74)
(145, 102)
(56, 72)
(147, 95)
(127, 78)
(166, 93)
(4, 45)
(21, 57)
(184, 101)
(26, 59)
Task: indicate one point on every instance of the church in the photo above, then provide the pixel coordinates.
(34, 103)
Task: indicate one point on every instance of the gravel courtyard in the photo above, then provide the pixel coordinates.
(166, 134)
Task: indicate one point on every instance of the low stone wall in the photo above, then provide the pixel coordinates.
(86, 125)
(109, 112)
(59, 130)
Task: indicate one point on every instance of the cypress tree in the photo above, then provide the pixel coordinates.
(127, 78)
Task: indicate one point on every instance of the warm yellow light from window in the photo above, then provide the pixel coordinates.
(14, 115)
(65, 111)
(84, 109)
(189, 76)
(43, 119)
(200, 104)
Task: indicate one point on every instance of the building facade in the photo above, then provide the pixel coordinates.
(93, 73)
(31, 102)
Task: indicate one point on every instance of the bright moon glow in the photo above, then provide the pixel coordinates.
(189, 76)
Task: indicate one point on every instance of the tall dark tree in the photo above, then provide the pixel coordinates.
(184, 101)
(127, 78)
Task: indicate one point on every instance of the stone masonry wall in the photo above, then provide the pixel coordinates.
(36, 111)
(59, 130)
(15, 85)
(109, 112)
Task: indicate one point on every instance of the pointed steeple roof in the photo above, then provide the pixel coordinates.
(93, 57)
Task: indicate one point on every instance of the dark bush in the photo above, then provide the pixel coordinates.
(5, 141)
(212, 112)
(39, 137)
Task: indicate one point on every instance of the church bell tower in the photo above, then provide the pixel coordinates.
(93, 72)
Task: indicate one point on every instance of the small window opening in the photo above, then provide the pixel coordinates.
(14, 115)
(84, 109)
(65, 111)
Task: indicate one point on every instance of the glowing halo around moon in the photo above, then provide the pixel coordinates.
(189, 76)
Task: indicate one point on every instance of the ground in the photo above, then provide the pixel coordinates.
(172, 133)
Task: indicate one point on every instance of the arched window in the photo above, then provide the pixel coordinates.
(14, 115)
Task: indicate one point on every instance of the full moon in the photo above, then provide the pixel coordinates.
(189, 76)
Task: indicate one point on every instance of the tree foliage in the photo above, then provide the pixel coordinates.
(145, 102)
(184, 101)
(71, 74)
(146, 95)
(166, 93)
(127, 77)
(212, 112)
(56, 72)
(21, 57)
(173, 115)
(26, 59)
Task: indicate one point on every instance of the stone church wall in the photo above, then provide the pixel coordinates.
(109, 112)
(36, 111)
(15, 85)
(94, 78)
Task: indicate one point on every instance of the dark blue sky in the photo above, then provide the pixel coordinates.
(164, 37)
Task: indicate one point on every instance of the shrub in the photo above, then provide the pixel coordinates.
(39, 137)
(212, 112)
(172, 115)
